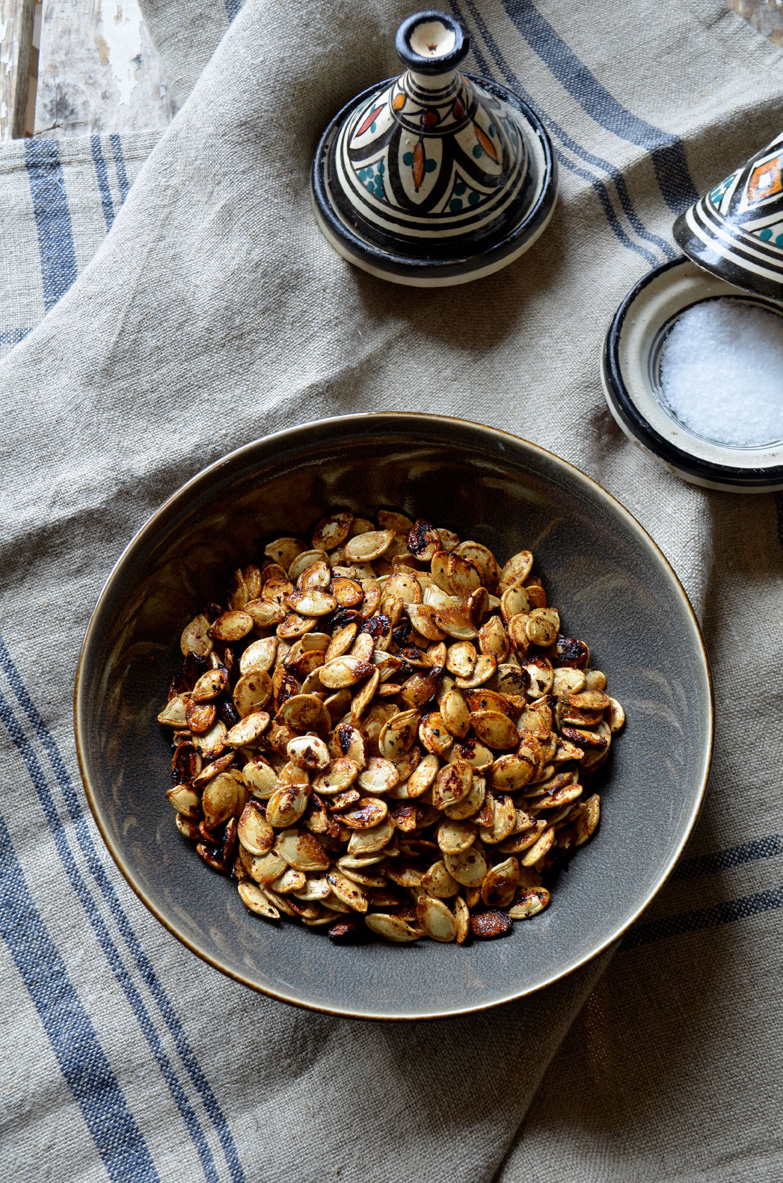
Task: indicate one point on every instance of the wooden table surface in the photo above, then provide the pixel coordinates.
(97, 70)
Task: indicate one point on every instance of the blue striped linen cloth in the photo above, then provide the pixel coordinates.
(59, 197)
(125, 1058)
(58, 200)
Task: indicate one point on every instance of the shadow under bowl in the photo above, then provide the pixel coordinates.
(614, 590)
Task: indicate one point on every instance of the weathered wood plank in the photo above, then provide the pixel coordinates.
(98, 70)
(16, 34)
(766, 16)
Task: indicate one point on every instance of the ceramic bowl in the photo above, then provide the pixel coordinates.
(632, 383)
(614, 589)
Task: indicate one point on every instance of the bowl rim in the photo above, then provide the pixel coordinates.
(387, 418)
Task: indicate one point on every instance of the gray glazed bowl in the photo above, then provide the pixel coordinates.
(614, 589)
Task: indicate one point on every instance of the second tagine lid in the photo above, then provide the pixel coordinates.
(736, 230)
(435, 177)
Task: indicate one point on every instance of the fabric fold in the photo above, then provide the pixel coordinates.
(212, 313)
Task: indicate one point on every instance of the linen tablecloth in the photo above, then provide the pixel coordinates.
(213, 312)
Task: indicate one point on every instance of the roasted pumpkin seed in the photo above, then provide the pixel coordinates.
(332, 531)
(400, 667)
(366, 813)
(302, 850)
(539, 848)
(461, 659)
(398, 734)
(366, 547)
(495, 730)
(379, 775)
(468, 867)
(500, 884)
(456, 836)
(195, 637)
(210, 684)
(254, 831)
(436, 919)
(462, 918)
(286, 805)
(484, 669)
(434, 735)
(223, 797)
(529, 902)
(247, 730)
(470, 804)
(308, 752)
(185, 801)
(487, 926)
(373, 840)
(616, 715)
(391, 928)
(231, 626)
(256, 900)
(517, 569)
(266, 867)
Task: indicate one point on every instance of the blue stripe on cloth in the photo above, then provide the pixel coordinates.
(552, 126)
(102, 174)
(734, 856)
(611, 170)
(724, 913)
(589, 157)
(232, 8)
(67, 1025)
(13, 336)
(52, 218)
(98, 873)
(666, 151)
(119, 164)
(103, 936)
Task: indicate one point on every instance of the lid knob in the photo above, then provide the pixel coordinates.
(431, 43)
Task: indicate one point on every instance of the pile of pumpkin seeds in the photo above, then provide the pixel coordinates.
(384, 727)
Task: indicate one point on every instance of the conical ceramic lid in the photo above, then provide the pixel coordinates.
(434, 177)
(736, 230)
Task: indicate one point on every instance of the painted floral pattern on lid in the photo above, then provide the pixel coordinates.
(434, 166)
(736, 230)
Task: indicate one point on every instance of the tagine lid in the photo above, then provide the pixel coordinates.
(434, 177)
(736, 230)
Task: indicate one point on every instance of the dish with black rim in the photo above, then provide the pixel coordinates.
(630, 372)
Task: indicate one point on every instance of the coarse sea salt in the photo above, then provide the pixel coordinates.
(722, 372)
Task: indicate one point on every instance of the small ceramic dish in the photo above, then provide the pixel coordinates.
(615, 590)
(631, 375)
(733, 240)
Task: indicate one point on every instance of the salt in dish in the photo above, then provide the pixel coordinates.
(721, 371)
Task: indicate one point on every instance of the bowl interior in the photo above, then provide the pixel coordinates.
(613, 589)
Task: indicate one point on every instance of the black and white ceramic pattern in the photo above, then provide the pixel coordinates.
(733, 242)
(435, 177)
(736, 230)
(632, 382)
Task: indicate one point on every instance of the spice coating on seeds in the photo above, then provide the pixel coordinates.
(384, 730)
